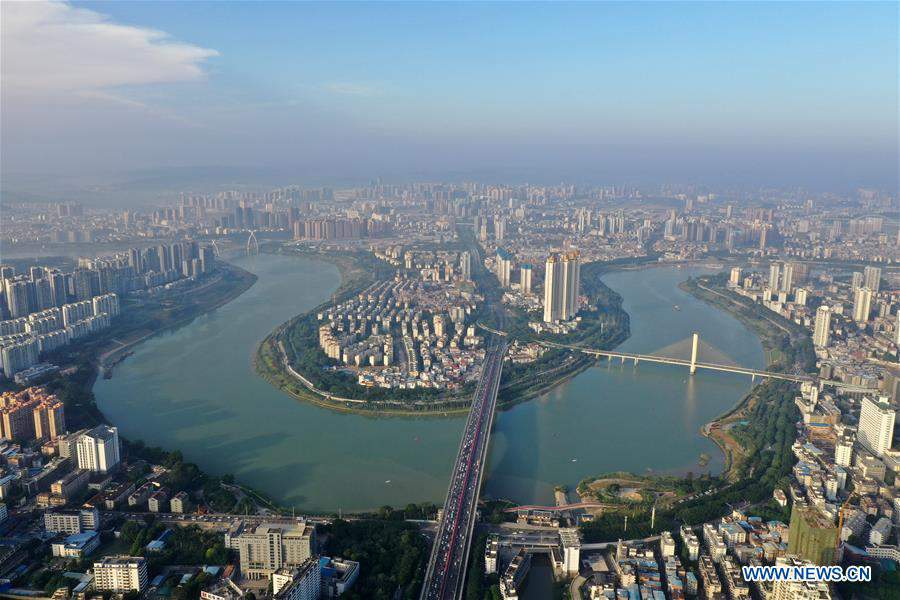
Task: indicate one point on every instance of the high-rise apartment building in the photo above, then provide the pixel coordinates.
(787, 277)
(872, 278)
(876, 425)
(562, 285)
(774, 277)
(31, 414)
(571, 284)
(822, 332)
(465, 265)
(504, 267)
(525, 273)
(862, 305)
(798, 590)
(98, 449)
(552, 290)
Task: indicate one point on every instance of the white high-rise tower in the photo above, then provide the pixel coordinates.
(822, 333)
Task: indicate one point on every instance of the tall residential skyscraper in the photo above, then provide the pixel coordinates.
(552, 290)
(862, 304)
(798, 590)
(822, 333)
(500, 228)
(465, 265)
(774, 277)
(504, 267)
(876, 425)
(872, 278)
(856, 281)
(787, 277)
(525, 278)
(17, 297)
(571, 284)
(562, 285)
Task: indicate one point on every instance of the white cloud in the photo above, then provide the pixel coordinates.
(53, 47)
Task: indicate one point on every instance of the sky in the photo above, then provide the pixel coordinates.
(754, 94)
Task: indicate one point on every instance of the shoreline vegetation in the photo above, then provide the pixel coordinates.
(786, 345)
(661, 489)
(755, 435)
(140, 320)
(296, 341)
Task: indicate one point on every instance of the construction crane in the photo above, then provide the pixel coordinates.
(840, 527)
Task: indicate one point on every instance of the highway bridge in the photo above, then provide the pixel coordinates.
(693, 364)
(450, 553)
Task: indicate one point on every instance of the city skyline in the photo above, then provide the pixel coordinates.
(432, 301)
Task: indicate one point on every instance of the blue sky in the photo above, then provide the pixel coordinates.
(774, 92)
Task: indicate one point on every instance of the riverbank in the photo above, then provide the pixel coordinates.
(171, 312)
(141, 320)
(786, 346)
(782, 345)
(272, 360)
(296, 341)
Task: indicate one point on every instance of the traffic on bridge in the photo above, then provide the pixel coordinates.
(449, 555)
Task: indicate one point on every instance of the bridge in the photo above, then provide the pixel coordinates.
(450, 553)
(693, 364)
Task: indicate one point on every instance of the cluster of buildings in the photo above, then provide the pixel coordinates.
(31, 414)
(509, 555)
(47, 309)
(561, 288)
(846, 229)
(404, 333)
(844, 500)
(707, 566)
(25, 340)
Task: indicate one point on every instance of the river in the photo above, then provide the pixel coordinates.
(194, 389)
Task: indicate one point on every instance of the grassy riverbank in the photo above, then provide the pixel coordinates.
(293, 346)
(787, 346)
(755, 436)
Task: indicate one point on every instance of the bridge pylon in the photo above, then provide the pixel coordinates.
(695, 349)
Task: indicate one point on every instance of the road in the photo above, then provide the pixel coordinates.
(449, 554)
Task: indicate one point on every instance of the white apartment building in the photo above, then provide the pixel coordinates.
(822, 332)
(98, 449)
(862, 305)
(876, 425)
(120, 574)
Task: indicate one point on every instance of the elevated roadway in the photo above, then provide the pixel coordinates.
(449, 555)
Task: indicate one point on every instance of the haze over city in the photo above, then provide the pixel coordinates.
(449, 300)
(801, 94)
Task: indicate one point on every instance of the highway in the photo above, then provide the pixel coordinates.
(449, 554)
